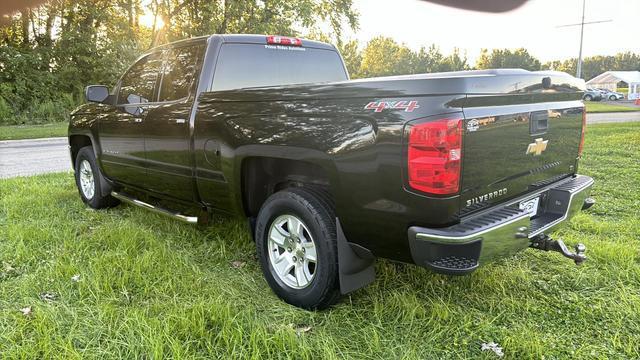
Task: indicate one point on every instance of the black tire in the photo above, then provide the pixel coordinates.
(612, 98)
(102, 194)
(588, 97)
(315, 208)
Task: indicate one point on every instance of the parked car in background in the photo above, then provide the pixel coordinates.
(592, 95)
(611, 95)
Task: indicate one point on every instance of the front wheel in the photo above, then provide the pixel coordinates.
(612, 98)
(588, 97)
(297, 247)
(88, 178)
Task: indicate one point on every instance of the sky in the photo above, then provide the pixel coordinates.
(533, 26)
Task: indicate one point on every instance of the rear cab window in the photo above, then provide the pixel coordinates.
(257, 65)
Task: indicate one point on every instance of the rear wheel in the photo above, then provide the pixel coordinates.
(588, 97)
(297, 247)
(88, 179)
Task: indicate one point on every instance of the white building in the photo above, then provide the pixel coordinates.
(610, 79)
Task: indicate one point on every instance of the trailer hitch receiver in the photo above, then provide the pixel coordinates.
(543, 242)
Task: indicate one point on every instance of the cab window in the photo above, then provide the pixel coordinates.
(179, 73)
(138, 84)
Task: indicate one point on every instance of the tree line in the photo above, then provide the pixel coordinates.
(49, 53)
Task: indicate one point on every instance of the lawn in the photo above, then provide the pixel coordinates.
(598, 107)
(125, 283)
(15, 132)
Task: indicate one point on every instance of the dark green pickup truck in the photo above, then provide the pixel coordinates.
(447, 171)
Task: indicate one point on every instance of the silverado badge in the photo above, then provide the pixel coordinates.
(537, 147)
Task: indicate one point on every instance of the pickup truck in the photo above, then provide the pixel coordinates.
(446, 171)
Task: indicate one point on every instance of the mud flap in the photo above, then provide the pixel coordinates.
(355, 264)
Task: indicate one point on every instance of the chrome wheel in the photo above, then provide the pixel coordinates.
(87, 184)
(292, 252)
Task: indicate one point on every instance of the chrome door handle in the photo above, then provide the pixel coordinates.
(179, 121)
(137, 120)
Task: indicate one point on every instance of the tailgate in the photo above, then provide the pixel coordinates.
(513, 149)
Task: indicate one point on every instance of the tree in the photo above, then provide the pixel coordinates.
(596, 65)
(188, 18)
(49, 53)
(352, 57)
(384, 56)
(505, 58)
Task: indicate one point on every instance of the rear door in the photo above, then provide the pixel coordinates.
(515, 149)
(222, 127)
(121, 131)
(167, 127)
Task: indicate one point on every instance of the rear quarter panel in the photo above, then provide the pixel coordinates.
(360, 149)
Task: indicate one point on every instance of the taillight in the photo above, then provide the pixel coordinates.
(584, 128)
(283, 40)
(434, 156)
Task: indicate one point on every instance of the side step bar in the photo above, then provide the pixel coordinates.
(133, 201)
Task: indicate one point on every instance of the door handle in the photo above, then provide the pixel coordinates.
(137, 120)
(179, 121)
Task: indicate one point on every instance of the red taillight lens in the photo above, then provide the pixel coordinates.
(584, 128)
(283, 40)
(434, 156)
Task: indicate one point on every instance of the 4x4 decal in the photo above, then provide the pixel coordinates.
(379, 106)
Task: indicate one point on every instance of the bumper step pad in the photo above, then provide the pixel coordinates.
(454, 263)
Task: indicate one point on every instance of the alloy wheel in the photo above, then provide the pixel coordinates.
(87, 184)
(292, 251)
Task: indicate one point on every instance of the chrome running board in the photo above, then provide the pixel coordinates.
(133, 201)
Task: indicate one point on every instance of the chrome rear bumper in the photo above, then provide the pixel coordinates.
(499, 231)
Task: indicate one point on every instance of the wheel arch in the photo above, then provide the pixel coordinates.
(261, 176)
(77, 142)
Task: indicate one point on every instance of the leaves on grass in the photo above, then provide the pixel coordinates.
(237, 264)
(300, 329)
(75, 278)
(47, 296)
(26, 311)
(497, 349)
(8, 271)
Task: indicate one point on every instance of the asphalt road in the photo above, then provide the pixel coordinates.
(40, 156)
(600, 118)
(31, 157)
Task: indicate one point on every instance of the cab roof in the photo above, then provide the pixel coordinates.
(244, 39)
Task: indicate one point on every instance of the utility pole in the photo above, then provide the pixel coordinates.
(579, 65)
(582, 24)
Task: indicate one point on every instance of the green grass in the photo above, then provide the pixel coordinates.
(623, 90)
(597, 107)
(16, 132)
(151, 287)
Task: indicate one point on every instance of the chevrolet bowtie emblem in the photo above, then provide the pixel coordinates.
(537, 147)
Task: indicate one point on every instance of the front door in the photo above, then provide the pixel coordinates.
(167, 127)
(122, 155)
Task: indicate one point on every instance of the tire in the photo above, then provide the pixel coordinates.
(612, 98)
(306, 284)
(588, 97)
(88, 179)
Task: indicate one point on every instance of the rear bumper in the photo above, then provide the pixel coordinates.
(499, 231)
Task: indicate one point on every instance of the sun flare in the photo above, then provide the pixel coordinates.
(147, 20)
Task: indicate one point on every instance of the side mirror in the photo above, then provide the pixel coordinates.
(96, 93)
